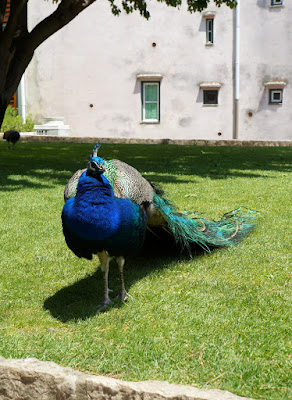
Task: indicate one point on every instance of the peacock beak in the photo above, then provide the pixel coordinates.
(95, 168)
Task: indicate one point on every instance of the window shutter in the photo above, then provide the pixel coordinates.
(13, 101)
(7, 12)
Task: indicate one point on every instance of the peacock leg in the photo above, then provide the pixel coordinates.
(104, 261)
(123, 295)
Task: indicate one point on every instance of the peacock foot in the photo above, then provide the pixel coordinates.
(104, 305)
(123, 296)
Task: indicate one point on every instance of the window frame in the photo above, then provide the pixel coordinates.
(273, 91)
(144, 102)
(275, 3)
(209, 31)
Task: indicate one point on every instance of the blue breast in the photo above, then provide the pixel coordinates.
(97, 216)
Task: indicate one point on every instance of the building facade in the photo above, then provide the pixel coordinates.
(220, 74)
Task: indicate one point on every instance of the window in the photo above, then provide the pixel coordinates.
(276, 2)
(150, 97)
(210, 96)
(209, 31)
(209, 16)
(150, 101)
(276, 96)
(275, 91)
(210, 93)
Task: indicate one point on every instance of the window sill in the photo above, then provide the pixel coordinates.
(210, 105)
(150, 122)
(210, 85)
(275, 84)
(209, 44)
(149, 77)
(209, 14)
(277, 6)
(276, 104)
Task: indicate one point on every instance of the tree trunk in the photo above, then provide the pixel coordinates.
(9, 82)
(2, 112)
(17, 45)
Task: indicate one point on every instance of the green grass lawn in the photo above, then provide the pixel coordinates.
(219, 320)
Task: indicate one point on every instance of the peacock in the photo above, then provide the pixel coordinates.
(109, 206)
(12, 136)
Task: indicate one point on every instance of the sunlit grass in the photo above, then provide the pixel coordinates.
(220, 320)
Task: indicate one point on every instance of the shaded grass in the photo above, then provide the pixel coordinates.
(220, 320)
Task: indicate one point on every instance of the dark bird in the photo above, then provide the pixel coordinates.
(11, 136)
(109, 206)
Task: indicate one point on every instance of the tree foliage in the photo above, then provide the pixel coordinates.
(17, 44)
(141, 5)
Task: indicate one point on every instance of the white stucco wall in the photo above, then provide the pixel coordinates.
(266, 55)
(95, 60)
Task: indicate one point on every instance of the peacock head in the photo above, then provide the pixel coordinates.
(96, 166)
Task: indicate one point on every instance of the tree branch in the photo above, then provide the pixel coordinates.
(24, 45)
(66, 12)
(14, 32)
(17, 7)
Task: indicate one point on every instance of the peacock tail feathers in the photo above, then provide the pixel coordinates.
(189, 228)
(238, 223)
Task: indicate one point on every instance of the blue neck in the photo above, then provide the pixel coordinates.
(88, 184)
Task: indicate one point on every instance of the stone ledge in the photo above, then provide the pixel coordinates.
(31, 379)
(194, 142)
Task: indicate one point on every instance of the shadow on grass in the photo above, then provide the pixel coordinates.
(80, 300)
(39, 165)
(43, 165)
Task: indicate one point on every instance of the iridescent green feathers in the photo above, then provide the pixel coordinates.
(190, 228)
